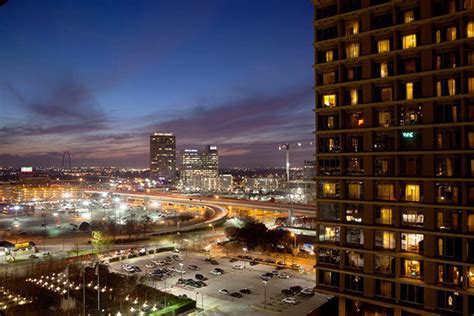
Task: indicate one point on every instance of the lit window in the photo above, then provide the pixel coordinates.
(438, 36)
(354, 97)
(412, 268)
(470, 139)
(451, 33)
(383, 46)
(385, 239)
(439, 88)
(329, 56)
(470, 222)
(409, 90)
(409, 16)
(352, 27)
(412, 242)
(470, 29)
(383, 70)
(412, 192)
(329, 100)
(452, 86)
(385, 118)
(470, 85)
(355, 190)
(409, 41)
(330, 122)
(386, 216)
(470, 274)
(329, 189)
(352, 50)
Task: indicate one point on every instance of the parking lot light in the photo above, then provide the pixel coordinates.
(265, 291)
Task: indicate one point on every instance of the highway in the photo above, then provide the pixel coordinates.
(298, 209)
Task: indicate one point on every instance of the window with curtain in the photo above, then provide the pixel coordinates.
(409, 41)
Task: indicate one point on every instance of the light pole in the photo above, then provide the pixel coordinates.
(265, 293)
(213, 229)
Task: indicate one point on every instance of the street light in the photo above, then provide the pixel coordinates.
(213, 229)
(265, 291)
(294, 240)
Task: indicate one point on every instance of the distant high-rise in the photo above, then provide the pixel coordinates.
(163, 157)
(394, 85)
(197, 165)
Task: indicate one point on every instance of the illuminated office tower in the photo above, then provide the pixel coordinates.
(163, 157)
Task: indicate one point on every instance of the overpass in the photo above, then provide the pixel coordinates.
(291, 209)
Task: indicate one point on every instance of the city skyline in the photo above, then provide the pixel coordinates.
(107, 76)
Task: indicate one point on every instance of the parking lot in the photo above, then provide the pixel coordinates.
(232, 280)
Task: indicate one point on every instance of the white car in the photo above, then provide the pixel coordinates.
(193, 267)
(216, 272)
(283, 276)
(238, 266)
(150, 265)
(289, 300)
(224, 291)
(307, 291)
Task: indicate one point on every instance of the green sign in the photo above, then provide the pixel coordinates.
(408, 134)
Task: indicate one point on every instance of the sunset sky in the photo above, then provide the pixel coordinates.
(97, 77)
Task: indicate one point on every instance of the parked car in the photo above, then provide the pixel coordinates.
(287, 292)
(282, 275)
(200, 277)
(308, 291)
(236, 294)
(233, 260)
(296, 289)
(224, 291)
(238, 266)
(217, 271)
(245, 291)
(193, 267)
(289, 300)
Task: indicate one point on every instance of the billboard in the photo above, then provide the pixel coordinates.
(26, 169)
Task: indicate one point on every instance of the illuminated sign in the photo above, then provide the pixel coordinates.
(26, 169)
(212, 147)
(190, 150)
(408, 134)
(22, 245)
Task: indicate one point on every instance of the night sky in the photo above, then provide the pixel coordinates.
(98, 77)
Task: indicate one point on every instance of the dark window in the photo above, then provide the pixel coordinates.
(451, 301)
(384, 166)
(354, 283)
(449, 247)
(355, 143)
(411, 294)
(381, 21)
(384, 142)
(327, 33)
(449, 220)
(329, 167)
(385, 289)
(329, 278)
(326, 12)
(328, 122)
(329, 211)
(448, 113)
(354, 166)
(411, 166)
(449, 274)
(329, 144)
(329, 256)
(410, 140)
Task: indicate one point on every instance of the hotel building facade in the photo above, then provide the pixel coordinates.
(394, 87)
